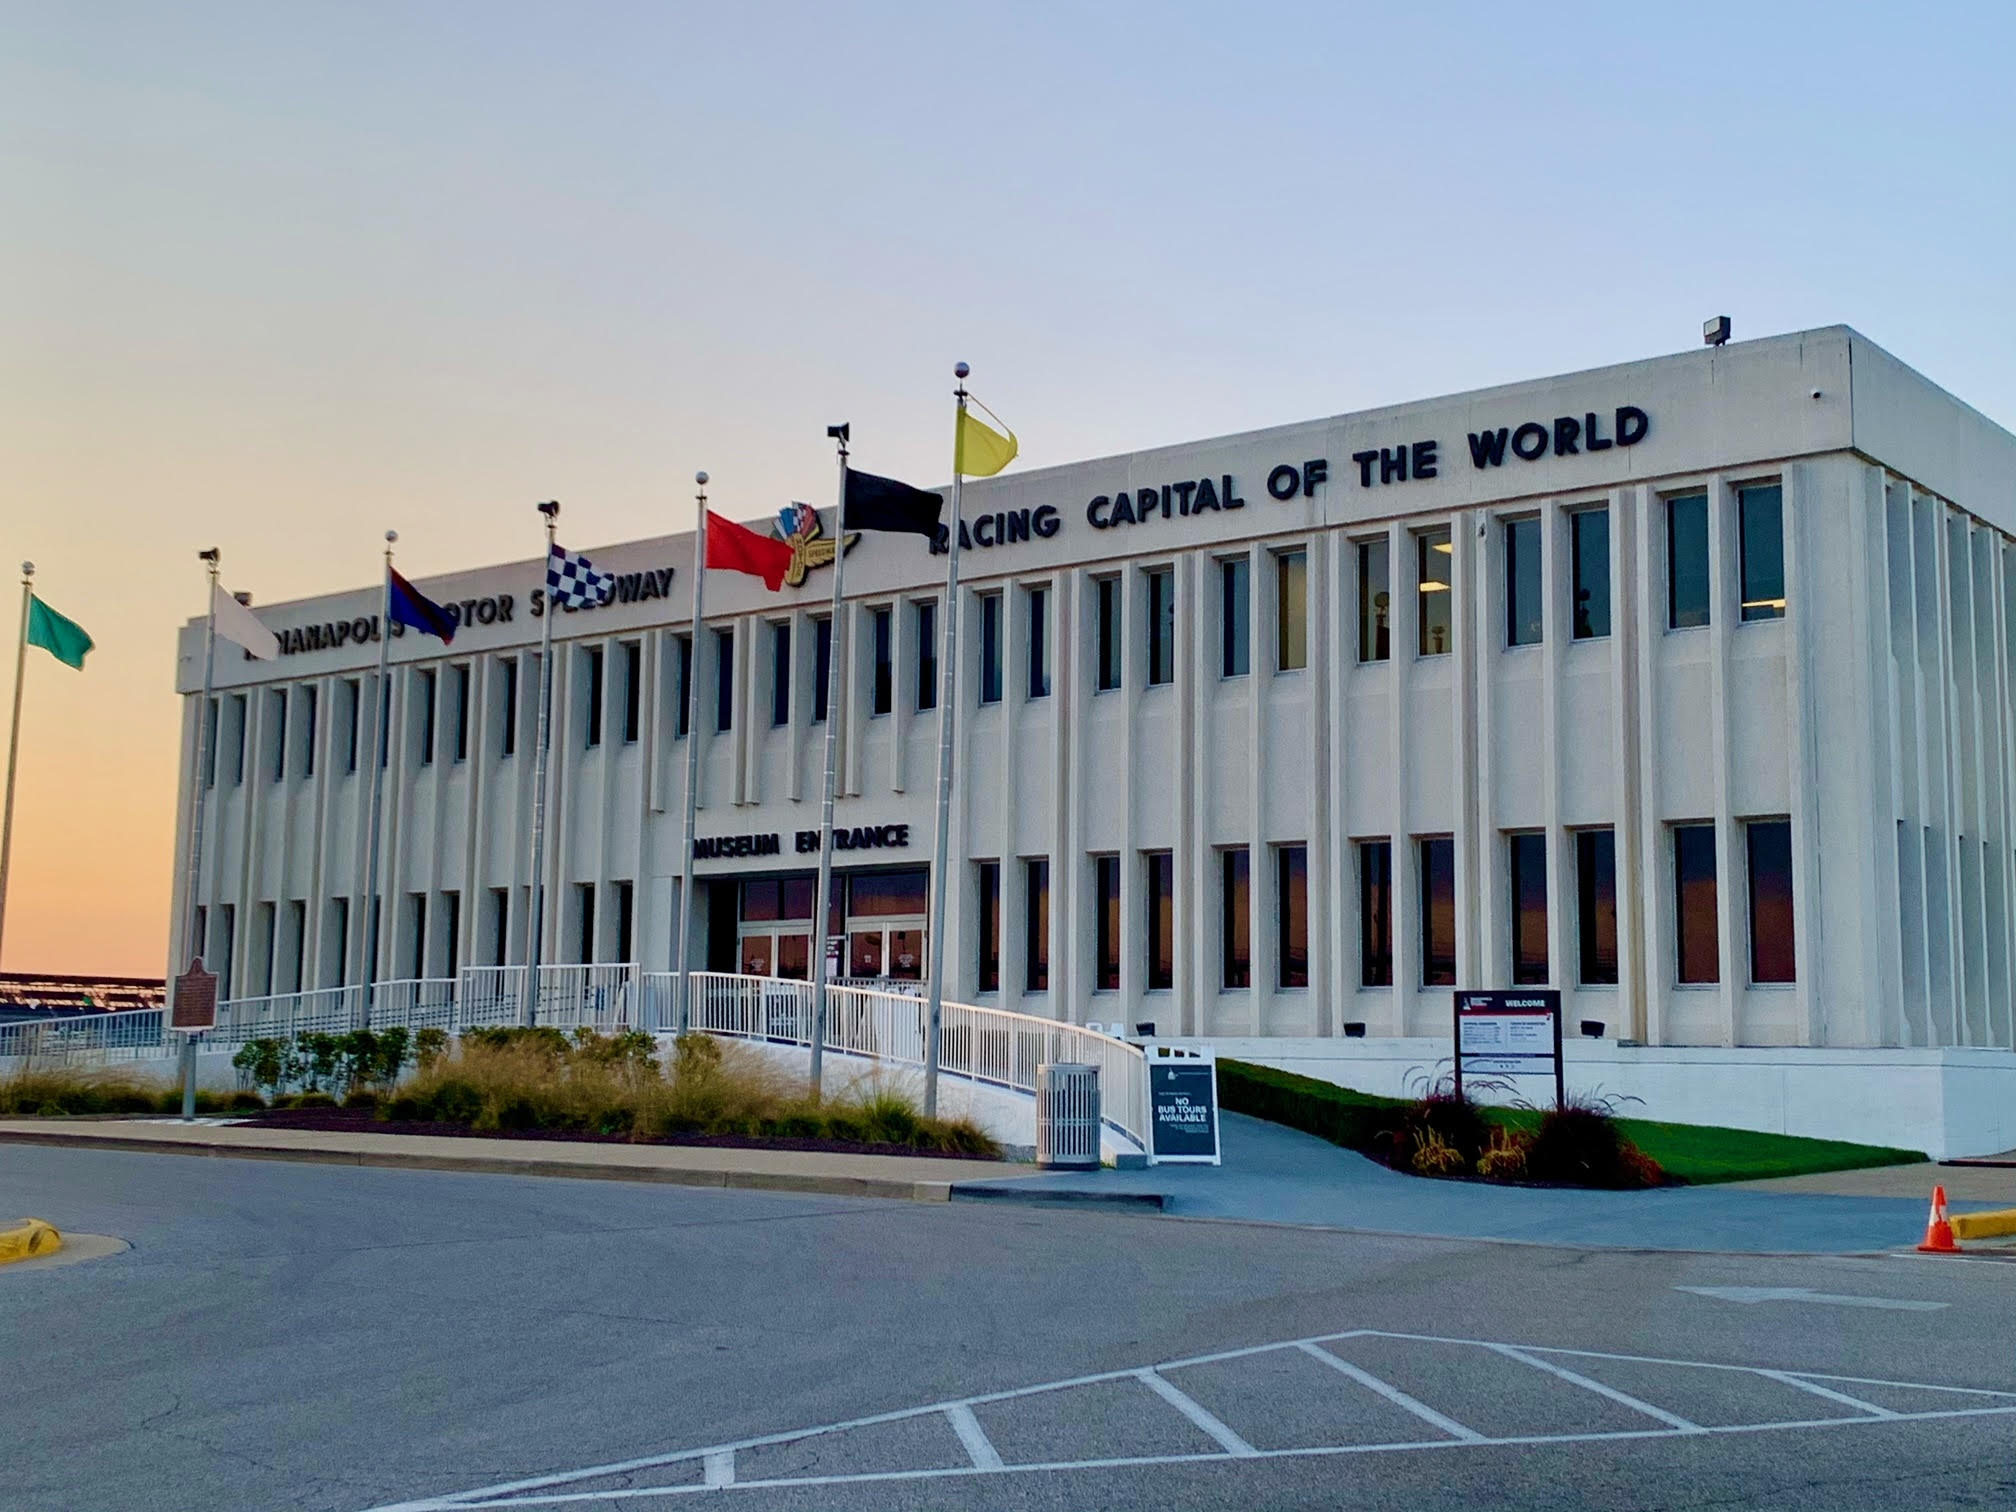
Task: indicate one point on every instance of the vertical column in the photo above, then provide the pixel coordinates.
(1731, 924)
(1404, 595)
(1263, 902)
(1195, 862)
(1630, 627)
(1487, 864)
(1557, 629)
(1335, 660)
(1317, 654)
(1880, 943)
(1067, 717)
(1014, 696)
(1133, 879)
(1473, 844)
(746, 783)
(902, 690)
(477, 843)
(254, 793)
(317, 891)
(1652, 881)
(1802, 767)
(1935, 609)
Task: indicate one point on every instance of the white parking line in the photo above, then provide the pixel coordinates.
(1659, 1414)
(1197, 1414)
(979, 1448)
(718, 1460)
(1394, 1395)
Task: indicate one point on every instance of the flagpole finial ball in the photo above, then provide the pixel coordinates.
(27, 569)
(550, 509)
(391, 537)
(960, 370)
(700, 478)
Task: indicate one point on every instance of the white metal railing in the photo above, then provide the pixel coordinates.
(132, 1034)
(989, 1045)
(321, 1010)
(489, 995)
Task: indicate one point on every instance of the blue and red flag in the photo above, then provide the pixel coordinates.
(407, 605)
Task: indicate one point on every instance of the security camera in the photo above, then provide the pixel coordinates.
(1816, 393)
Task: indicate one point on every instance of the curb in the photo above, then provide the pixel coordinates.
(30, 1239)
(1009, 1191)
(1999, 1224)
(893, 1188)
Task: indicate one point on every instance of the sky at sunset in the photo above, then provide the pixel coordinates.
(278, 276)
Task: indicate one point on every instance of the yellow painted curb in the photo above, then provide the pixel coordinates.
(30, 1239)
(1994, 1225)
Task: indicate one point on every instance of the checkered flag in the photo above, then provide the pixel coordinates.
(573, 583)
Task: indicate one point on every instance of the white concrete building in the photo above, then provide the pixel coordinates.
(1683, 686)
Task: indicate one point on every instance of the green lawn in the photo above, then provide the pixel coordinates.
(1695, 1153)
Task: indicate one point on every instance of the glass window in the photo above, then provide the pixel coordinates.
(353, 699)
(682, 719)
(633, 693)
(1525, 613)
(1687, 562)
(760, 901)
(594, 709)
(1696, 943)
(1235, 619)
(1291, 907)
(1161, 582)
(1291, 611)
(1106, 920)
(795, 897)
(1438, 912)
(458, 686)
(990, 648)
(584, 923)
(780, 673)
(990, 925)
(822, 666)
(1761, 511)
(498, 930)
(1108, 629)
(794, 957)
(424, 694)
(1161, 921)
(239, 721)
(1375, 913)
(309, 702)
(1434, 555)
(1038, 603)
(1235, 946)
(885, 671)
(1375, 602)
(1036, 924)
(1589, 545)
(1529, 910)
(927, 654)
(277, 702)
(724, 679)
(211, 718)
(507, 734)
(1596, 905)
(886, 894)
(1770, 846)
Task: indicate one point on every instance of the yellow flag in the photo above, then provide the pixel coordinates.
(980, 451)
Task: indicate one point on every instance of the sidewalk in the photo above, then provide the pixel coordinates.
(1277, 1175)
(909, 1178)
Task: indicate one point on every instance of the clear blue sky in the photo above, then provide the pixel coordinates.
(279, 275)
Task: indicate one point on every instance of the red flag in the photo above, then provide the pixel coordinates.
(740, 549)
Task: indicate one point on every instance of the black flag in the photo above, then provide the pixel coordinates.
(884, 504)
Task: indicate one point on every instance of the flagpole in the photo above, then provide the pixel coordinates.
(690, 693)
(948, 709)
(822, 906)
(380, 757)
(528, 1008)
(14, 740)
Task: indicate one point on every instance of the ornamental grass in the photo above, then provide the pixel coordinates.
(53, 1089)
(525, 1080)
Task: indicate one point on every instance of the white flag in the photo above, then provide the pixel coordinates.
(237, 623)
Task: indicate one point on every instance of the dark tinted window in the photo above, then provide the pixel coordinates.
(1434, 556)
(1235, 619)
(780, 673)
(1107, 615)
(1291, 902)
(1596, 906)
(1038, 601)
(990, 926)
(1106, 920)
(1236, 925)
(1161, 921)
(990, 648)
(1696, 944)
(1771, 953)
(1687, 561)
(1375, 602)
(885, 671)
(1375, 913)
(1036, 924)
(1761, 511)
(1529, 909)
(1525, 615)
(927, 656)
(1161, 626)
(1438, 912)
(1589, 540)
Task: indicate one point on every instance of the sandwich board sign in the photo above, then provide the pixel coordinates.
(1182, 1105)
(1509, 1034)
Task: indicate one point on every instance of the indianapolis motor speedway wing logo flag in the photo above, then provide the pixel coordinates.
(573, 583)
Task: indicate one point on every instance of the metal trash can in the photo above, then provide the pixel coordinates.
(1067, 1117)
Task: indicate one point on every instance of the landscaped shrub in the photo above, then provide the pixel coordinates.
(1355, 1120)
(1581, 1144)
(1504, 1157)
(1433, 1155)
(47, 1091)
(1453, 1121)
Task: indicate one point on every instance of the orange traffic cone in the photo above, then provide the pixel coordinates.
(1938, 1230)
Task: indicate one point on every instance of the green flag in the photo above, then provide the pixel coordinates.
(62, 638)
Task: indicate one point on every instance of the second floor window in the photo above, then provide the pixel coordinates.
(1109, 633)
(990, 648)
(1235, 618)
(883, 631)
(1161, 583)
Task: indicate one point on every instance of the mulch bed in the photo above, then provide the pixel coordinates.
(365, 1121)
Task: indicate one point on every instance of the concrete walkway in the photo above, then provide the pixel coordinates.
(913, 1178)
(1277, 1175)
(1271, 1175)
